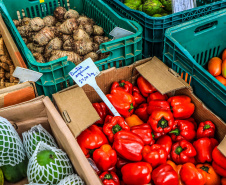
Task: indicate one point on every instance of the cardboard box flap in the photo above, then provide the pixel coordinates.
(222, 146)
(161, 77)
(76, 117)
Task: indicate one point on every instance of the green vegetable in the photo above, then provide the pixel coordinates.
(167, 5)
(1, 177)
(140, 8)
(15, 173)
(136, 3)
(131, 6)
(157, 15)
(165, 14)
(152, 7)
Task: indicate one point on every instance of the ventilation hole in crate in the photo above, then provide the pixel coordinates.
(61, 85)
(218, 51)
(210, 53)
(197, 57)
(201, 59)
(214, 52)
(32, 10)
(28, 12)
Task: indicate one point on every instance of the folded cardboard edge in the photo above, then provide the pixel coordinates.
(222, 146)
(11, 46)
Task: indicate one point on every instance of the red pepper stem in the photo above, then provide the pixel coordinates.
(175, 132)
(163, 123)
(153, 135)
(205, 168)
(91, 152)
(131, 107)
(108, 176)
(178, 150)
(206, 127)
(116, 128)
(121, 84)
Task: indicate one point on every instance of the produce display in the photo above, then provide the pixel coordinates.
(66, 33)
(217, 68)
(154, 8)
(156, 140)
(6, 67)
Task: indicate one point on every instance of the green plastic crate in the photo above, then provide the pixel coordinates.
(123, 52)
(188, 48)
(154, 27)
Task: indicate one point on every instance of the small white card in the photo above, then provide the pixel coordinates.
(118, 33)
(181, 5)
(25, 75)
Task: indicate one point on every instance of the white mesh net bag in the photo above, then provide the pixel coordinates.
(32, 137)
(73, 179)
(11, 148)
(48, 165)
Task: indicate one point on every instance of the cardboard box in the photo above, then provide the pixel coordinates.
(42, 111)
(74, 103)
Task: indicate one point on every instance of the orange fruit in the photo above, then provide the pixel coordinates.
(221, 79)
(224, 55)
(214, 66)
(224, 68)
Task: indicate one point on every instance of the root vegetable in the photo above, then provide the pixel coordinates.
(92, 55)
(59, 13)
(103, 55)
(25, 21)
(68, 26)
(66, 37)
(49, 20)
(83, 47)
(5, 59)
(88, 28)
(98, 39)
(44, 36)
(30, 36)
(35, 49)
(58, 24)
(80, 34)
(7, 84)
(54, 57)
(2, 46)
(5, 66)
(39, 58)
(97, 30)
(72, 56)
(2, 83)
(16, 22)
(25, 40)
(56, 31)
(95, 47)
(24, 30)
(3, 74)
(82, 20)
(71, 14)
(54, 44)
(37, 24)
(68, 45)
(11, 69)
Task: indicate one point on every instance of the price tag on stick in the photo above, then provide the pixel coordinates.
(85, 73)
(25, 75)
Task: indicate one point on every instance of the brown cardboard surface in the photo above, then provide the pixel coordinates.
(11, 46)
(41, 111)
(159, 75)
(222, 146)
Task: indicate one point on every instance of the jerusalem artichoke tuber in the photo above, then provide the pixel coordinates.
(24, 30)
(16, 22)
(80, 35)
(91, 55)
(39, 58)
(68, 45)
(49, 20)
(82, 20)
(73, 57)
(37, 24)
(54, 44)
(44, 36)
(83, 47)
(71, 14)
(68, 26)
(97, 30)
(25, 21)
(59, 13)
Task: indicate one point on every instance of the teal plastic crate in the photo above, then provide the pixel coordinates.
(123, 51)
(154, 27)
(188, 49)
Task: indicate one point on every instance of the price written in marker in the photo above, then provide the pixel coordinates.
(85, 73)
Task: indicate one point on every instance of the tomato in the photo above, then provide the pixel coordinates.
(214, 66)
(224, 55)
(224, 68)
(221, 79)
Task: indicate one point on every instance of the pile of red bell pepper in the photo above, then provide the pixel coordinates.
(155, 141)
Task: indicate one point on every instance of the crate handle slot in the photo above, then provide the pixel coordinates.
(206, 27)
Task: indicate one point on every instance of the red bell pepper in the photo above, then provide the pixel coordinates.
(138, 98)
(157, 105)
(183, 130)
(155, 155)
(121, 162)
(204, 148)
(161, 121)
(142, 112)
(181, 106)
(138, 173)
(206, 129)
(157, 135)
(145, 87)
(223, 181)
(165, 142)
(157, 96)
(193, 121)
(128, 145)
(91, 139)
(114, 125)
(190, 175)
(219, 162)
(123, 85)
(183, 152)
(165, 175)
(144, 131)
(109, 178)
(102, 110)
(105, 157)
(122, 101)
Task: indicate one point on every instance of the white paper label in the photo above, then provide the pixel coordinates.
(25, 75)
(85, 72)
(118, 33)
(181, 5)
